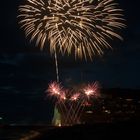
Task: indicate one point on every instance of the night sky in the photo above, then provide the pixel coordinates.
(25, 71)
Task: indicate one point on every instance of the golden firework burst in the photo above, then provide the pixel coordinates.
(72, 26)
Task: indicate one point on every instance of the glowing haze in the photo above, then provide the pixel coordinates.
(81, 27)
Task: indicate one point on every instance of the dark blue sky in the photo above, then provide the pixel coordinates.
(25, 71)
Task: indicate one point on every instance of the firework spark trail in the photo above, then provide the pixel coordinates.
(81, 111)
(68, 116)
(78, 110)
(90, 91)
(73, 102)
(68, 108)
(68, 119)
(61, 106)
(56, 67)
(72, 26)
(78, 100)
(74, 114)
(75, 99)
(65, 109)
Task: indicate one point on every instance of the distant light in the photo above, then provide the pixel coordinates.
(1, 118)
(129, 100)
(59, 125)
(89, 112)
(107, 111)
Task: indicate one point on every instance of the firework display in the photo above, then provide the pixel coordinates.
(82, 27)
(72, 104)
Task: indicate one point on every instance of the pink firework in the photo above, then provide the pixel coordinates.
(91, 90)
(75, 97)
(54, 89)
(63, 96)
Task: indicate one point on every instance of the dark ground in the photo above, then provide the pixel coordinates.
(122, 123)
(98, 131)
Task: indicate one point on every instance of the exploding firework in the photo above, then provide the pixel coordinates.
(75, 97)
(55, 90)
(81, 27)
(71, 104)
(91, 90)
